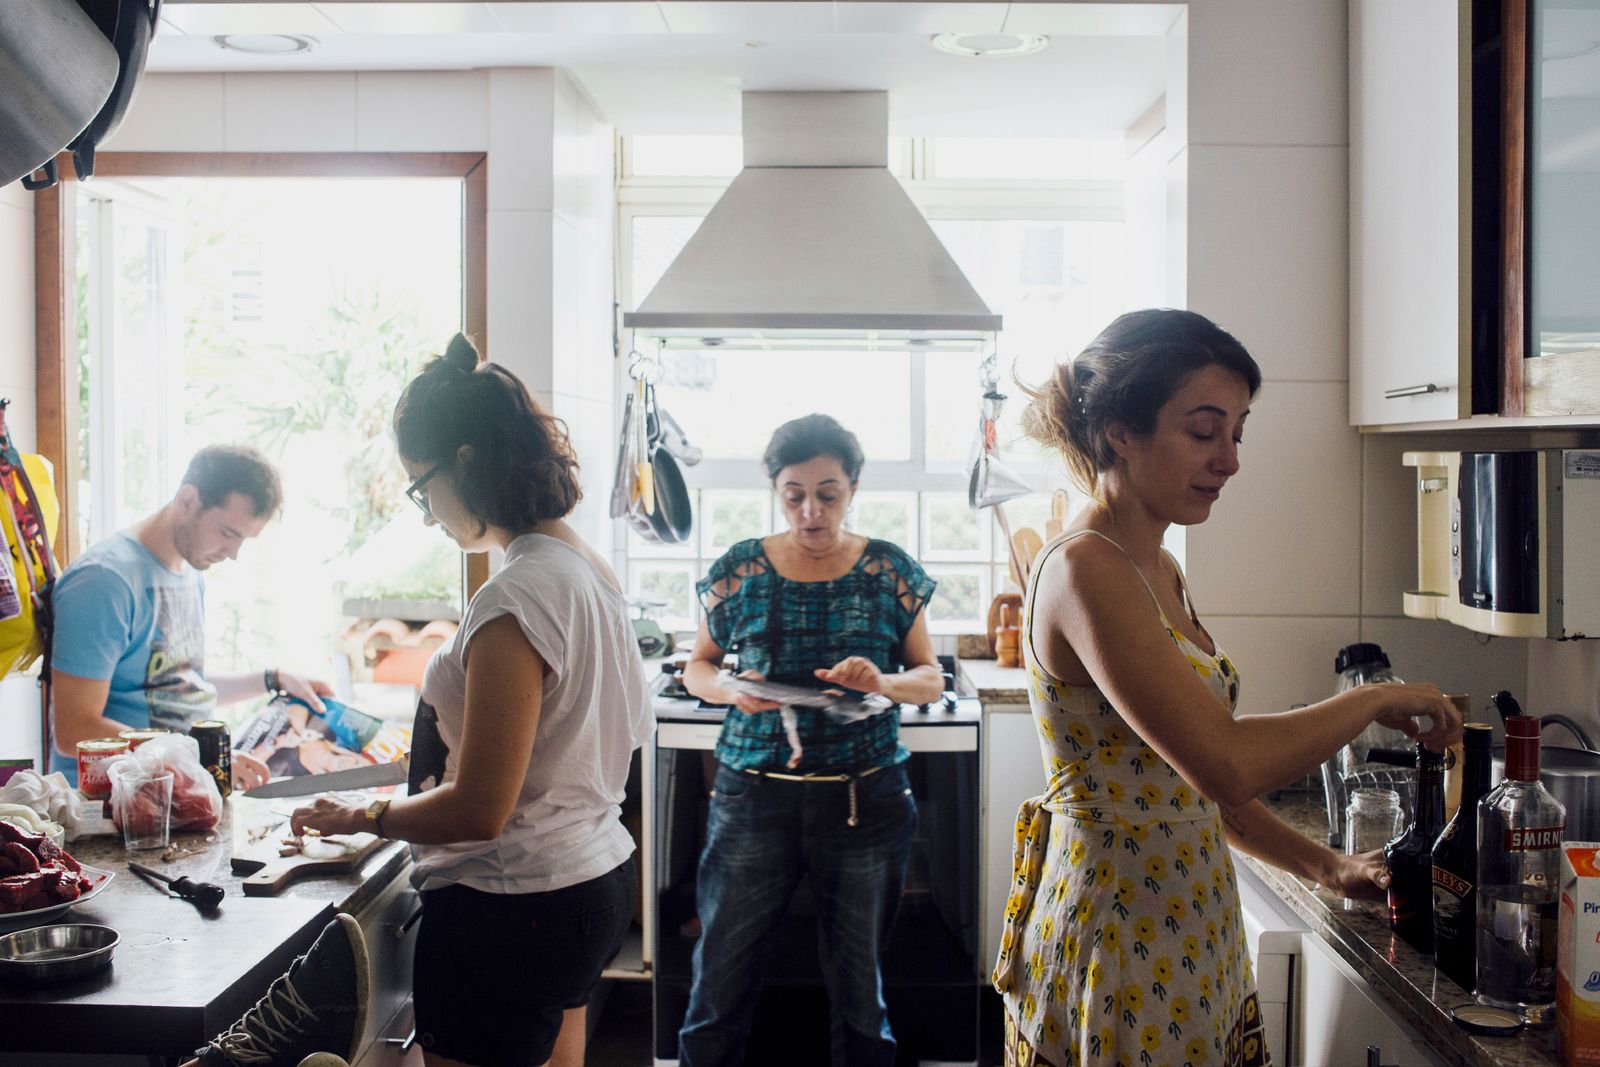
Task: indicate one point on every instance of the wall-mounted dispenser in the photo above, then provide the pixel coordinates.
(1508, 543)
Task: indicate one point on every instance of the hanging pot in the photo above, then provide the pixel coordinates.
(59, 69)
(673, 517)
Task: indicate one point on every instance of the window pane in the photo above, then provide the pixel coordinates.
(1028, 158)
(672, 584)
(729, 403)
(1029, 512)
(950, 529)
(887, 516)
(1057, 284)
(728, 517)
(961, 602)
(678, 156)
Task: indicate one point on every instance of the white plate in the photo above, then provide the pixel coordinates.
(16, 920)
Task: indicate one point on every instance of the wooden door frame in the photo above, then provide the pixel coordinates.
(56, 363)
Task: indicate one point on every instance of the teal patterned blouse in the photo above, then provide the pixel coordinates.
(785, 628)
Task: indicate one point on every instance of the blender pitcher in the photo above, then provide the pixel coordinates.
(1366, 664)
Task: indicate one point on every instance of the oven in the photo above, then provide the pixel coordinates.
(932, 973)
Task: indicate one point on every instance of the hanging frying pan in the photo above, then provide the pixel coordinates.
(673, 518)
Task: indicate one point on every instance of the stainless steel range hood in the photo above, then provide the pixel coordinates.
(815, 245)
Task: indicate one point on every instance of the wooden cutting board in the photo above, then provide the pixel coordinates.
(268, 872)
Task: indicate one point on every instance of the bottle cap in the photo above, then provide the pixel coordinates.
(1477, 736)
(1358, 655)
(1482, 1019)
(1522, 726)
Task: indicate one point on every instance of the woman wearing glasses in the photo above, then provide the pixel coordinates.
(525, 869)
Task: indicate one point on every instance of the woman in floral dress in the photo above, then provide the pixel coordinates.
(1122, 942)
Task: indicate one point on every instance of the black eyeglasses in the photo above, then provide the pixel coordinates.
(419, 495)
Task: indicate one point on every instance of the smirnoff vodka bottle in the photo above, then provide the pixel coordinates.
(1520, 827)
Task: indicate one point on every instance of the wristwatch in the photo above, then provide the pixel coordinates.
(375, 812)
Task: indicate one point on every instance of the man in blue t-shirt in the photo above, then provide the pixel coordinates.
(129, 644)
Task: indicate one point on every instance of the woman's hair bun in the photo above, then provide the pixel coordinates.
(461, 355)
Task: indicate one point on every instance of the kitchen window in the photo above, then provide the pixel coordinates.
(1039, 234)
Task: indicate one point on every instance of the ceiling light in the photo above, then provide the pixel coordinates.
(265, 44)
(990, 44)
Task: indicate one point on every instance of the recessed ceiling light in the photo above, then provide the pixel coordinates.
(265, 44)
(989, 45)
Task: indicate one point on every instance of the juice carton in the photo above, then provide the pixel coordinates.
(1578, 955)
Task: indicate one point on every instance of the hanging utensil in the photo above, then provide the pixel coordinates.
(990, 482)
(1028, 544)
(622, 485)
(644, 492)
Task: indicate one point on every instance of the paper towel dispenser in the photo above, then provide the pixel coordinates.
(1508, 542)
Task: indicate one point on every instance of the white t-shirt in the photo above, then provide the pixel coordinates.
(596, 710)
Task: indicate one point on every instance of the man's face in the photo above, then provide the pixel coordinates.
(205, 536)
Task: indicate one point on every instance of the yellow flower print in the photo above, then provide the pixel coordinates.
(1191, 946)
(1095, 975)
(1075, 852)
(1156, 867)
(1078, 733)
(1047, 729)
(1180, 1010)
(1111, 937)
(1198, 891)
(1144, 929)
(1195, 1050)
(1183, 796)
(1150, 1038)
(1111, 755)
(1029, 1006)
(1124, 894)
(1249, 1009)
(1058, 986)
(1137, 831)
(1205, 839)
(1035, 964)
(1057, 764)
(1211, 931)
(1086, 909)
(1133, 998)
(1175, 907)
(1114, 792)
(1069, 946)
(1162, 970)
(1148, 795)
(1047, 927)
(1052, 1030)
(1252, 1046)
(1116, 735)
(1205, 985)
(1103, 872)
(1185, 852)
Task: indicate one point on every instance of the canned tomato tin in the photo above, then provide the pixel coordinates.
(135, 738)
(216, 751)
(92, 756)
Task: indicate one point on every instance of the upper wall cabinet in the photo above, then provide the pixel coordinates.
(1410, 182)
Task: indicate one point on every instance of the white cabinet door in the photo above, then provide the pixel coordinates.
(1013, 772)
(1343, 1017)
(1408, 258)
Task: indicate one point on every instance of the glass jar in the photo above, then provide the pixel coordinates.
(1371, 820)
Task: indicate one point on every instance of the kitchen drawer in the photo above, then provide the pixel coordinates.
(389, 1048)
(389, 926)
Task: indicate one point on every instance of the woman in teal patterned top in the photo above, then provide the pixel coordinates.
(815, 601)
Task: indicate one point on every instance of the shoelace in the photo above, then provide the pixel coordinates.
(275, 1024)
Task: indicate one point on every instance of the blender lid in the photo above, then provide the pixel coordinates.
(1358, 655)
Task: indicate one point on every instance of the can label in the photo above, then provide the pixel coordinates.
(135, 738)
(93, 781)
(216, 752)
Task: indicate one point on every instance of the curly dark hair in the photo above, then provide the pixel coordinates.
(1125, 375)
(521, 469)
(808, 437)
(218, 471)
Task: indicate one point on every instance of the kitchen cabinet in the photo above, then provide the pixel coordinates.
(1012, 773)
(1410, 229)
(1343, 1016)
(389, 925)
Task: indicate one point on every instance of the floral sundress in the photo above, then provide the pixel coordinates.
(1123, 942)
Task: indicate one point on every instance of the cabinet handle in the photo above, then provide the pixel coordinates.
(1413, 390)
(404, 928)
(405, 1043)
(1375, 1057)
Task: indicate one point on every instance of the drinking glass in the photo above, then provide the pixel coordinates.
(143, 802)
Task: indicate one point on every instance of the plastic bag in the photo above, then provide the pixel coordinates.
(51, 796)
(196, 801)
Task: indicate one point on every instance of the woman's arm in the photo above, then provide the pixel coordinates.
(919, 682)
(1254, 830)
(505, 684)
(1092, 602)
(700, 675)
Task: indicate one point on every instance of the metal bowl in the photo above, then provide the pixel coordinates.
(56, 953)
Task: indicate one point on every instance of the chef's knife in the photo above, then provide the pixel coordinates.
(305, 785)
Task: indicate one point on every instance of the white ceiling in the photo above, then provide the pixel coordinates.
(678, 67)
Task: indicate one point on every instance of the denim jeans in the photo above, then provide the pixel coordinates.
(764, 834)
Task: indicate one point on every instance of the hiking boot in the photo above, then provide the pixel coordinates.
(319, 1006)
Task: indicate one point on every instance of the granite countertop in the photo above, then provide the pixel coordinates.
(1358, 931)
(993, 684)
(178, 976)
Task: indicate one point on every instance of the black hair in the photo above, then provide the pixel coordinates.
(521, 469)
(1124, 376)
(808, 437)
(218, 471)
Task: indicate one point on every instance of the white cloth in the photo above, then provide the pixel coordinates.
(595, 711)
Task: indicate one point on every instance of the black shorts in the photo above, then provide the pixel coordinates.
(494, 971)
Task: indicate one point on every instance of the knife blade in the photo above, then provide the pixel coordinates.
(304, 785)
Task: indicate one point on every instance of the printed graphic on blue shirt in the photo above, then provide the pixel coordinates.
(175, 684)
